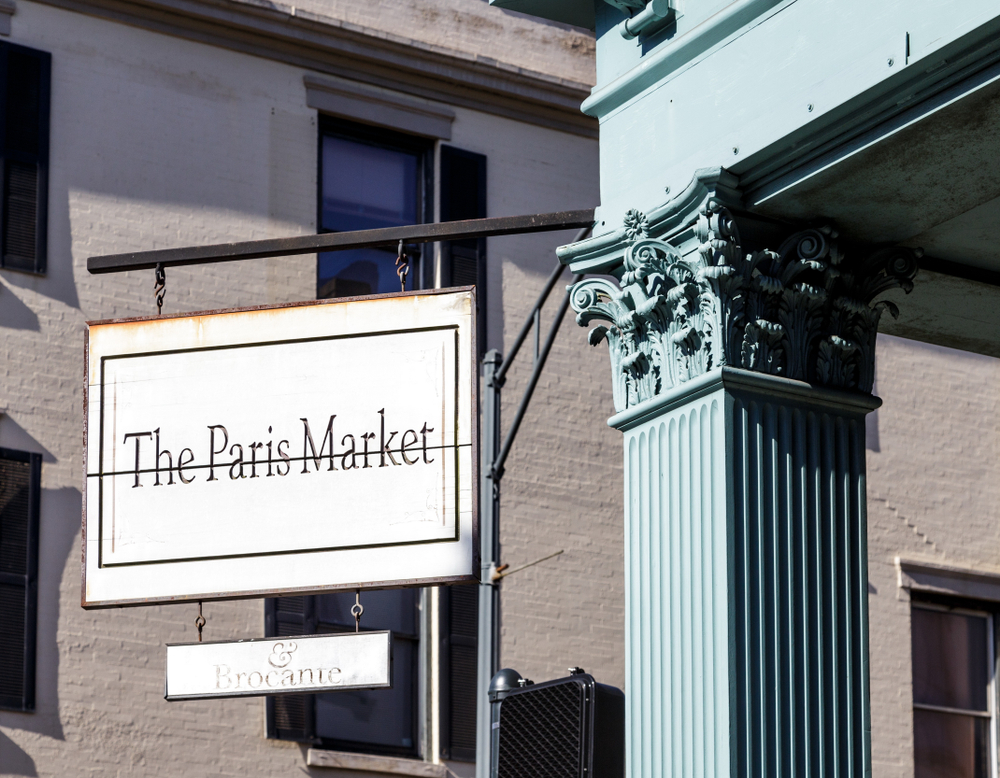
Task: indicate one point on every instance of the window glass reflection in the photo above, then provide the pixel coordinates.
(365, 187)
(950, 746)
(380, 720)
(951, 693)
(950, 666)
(382, 717)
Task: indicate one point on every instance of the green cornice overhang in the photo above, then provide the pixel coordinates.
(904, 99)
(670, 221)
(668, 59)
(731, 378)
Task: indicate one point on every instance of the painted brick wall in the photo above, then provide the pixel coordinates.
(160, 142)
(933, 492)
(477, 30)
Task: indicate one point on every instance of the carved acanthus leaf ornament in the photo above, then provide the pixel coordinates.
(806, 311)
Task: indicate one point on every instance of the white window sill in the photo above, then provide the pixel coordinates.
(316, 757)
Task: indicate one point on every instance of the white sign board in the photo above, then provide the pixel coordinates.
(309, 663)
(290, 449)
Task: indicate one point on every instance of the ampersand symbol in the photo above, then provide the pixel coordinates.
(281, 654)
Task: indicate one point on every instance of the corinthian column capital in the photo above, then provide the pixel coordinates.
(687, 296)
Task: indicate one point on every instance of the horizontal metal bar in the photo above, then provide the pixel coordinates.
(340, 241)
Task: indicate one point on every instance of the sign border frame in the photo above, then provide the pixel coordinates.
(253, 594)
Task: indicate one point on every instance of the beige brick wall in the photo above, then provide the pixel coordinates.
(475, 29)
(160, 142)
(933, 491)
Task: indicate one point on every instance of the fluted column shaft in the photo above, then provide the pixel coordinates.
(746, 580)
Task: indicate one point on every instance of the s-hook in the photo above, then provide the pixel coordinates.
(160, 287)
(356, 610)
(200, 621)
(402, 267)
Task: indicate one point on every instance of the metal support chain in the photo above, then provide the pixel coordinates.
(402, 267)
(357, 610)
(200, 622)
(159, 287)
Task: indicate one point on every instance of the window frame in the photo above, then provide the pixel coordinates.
(431, 264)
(981, 610)
(415, 639)
(29, 580)
(421, 259)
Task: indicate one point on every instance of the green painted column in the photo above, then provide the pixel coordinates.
(742, 356)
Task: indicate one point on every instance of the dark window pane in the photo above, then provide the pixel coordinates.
(950, 666)
(363, 271)
(374, 718)
(394, 609)
(948, 745)
(367, 187)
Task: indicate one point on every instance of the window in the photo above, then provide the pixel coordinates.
(385, 721)
(953, 693)
(24, 153)
(381, 721)
(20, 476)
(370, 179)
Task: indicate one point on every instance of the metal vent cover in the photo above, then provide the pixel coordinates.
(568, 728)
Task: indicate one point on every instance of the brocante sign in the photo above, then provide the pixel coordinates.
(310, 663)
(299, 448)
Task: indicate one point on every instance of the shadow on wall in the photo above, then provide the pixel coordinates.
(13, 759)
(13, 435)
(58, 283)
(15, 313)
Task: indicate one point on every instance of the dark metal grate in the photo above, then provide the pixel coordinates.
(541, 733)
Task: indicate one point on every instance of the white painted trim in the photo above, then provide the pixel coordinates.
(316, 757)
(434, 640)
(933, 577)
(370, 105)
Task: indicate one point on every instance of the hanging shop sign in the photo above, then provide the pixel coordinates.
(277, 450)
(250, 668)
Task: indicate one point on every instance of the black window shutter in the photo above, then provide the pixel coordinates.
(290, 716)
(460, 618)
(20, 480)
(463, 196)
(24, 156)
